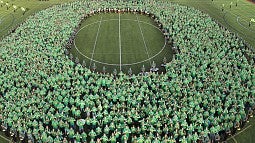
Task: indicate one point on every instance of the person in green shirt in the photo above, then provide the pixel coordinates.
(112, 126)
(140, 139)
(106, 130)
(92, 134)
(44, 137)
(71, 134)
(78, 137)
(124, 138)
(94, 122)
(98, 130)
(104, 138)
(50, 139)
(54, 124)
(113, 138)
(156, 140)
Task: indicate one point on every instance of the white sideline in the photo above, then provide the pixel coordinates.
(5, 138)
(233, 137)
(146, 49)
(119, 41)
(164, 46)
(95, 42)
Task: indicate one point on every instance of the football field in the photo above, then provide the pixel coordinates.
(123, 41)
(120, 41)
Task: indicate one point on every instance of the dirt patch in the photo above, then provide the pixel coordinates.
(252, 1)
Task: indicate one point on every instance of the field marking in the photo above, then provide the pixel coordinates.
(230, 27)
(5, 138)
(235, 15)
(120, 41)
(234, 28)
(135, 63)
(217, 6)
(116, 20)
(233, 137)
(12, 21)
(2, 18)
(235, 140)
(95, 41)
(237, 19)
(242, 18)
(145, 45)
(102, 53)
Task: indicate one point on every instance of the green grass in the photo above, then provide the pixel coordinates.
(10, 19)
(3, 138)
(245, 135)
(137, 44)
(228, 17)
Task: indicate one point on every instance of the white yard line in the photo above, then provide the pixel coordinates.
(233, 137)
(249, 29)
(102, 53)
(235, 140)
(5, 138)
(119, 41)
(145, 45)
(130, 64)
(95, 42)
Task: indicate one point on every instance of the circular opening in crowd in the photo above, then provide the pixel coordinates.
(130, 41)
(207, 93)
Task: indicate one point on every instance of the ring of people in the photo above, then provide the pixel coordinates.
(207, 93)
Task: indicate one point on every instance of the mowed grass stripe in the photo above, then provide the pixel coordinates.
(6, 20)
(144, 43)
(145, 18)
(245, 20)
(108, 41)
(95, 43)
(4, 140)
(107, 49)
(132, 41)
(85, 40)
(149, 31)
(120, 42)
(127, 16)
(244, 32)
(18, 17)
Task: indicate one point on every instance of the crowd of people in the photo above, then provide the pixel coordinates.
(207, 93)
